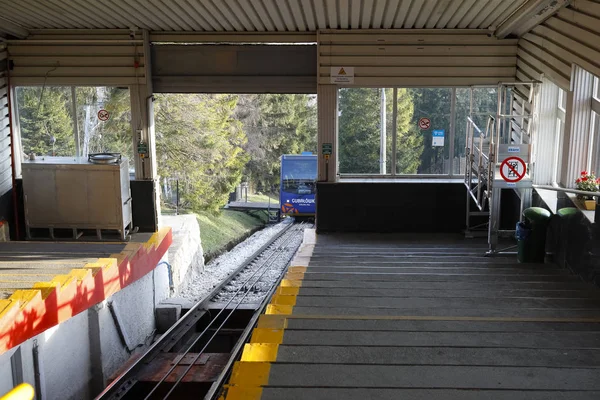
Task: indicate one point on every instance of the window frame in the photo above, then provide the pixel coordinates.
(594, 156)
(561, 116)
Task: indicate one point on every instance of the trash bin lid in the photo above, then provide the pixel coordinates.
(537, 214)
(567, 211)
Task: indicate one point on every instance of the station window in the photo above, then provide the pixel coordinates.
(60, 120)
(422, 138)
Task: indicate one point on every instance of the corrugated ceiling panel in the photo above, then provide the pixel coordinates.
(570, 37)
(258, 15)
(405, 59)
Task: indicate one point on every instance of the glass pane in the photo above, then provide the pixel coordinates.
(360, 130)
(97, 135)
(46, 121)
(423, 131)
(557, 156)
(562, 99)
(485, 103)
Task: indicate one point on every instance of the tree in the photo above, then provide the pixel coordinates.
(200, 143)
(359, 127)
(432, 103)
(114, 135)
(45, 120)
(275, 124)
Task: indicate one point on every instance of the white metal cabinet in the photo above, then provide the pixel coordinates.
(69, 193)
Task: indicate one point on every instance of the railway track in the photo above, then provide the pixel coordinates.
(195, 355)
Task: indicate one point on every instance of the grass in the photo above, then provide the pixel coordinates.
(219, 230)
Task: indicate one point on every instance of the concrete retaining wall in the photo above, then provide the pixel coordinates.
(185, 253)
(77, 357)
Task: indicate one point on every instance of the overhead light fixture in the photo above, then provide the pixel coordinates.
(528, 16)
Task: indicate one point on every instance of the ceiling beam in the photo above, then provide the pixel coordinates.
(528, 16)
(13, 29)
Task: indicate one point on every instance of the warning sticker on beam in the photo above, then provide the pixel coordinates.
(342, 75)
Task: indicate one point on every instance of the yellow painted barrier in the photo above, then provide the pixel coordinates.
(24, 391)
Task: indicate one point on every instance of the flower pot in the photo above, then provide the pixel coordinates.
(590, 204)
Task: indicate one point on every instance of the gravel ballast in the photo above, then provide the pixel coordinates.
(200, 284)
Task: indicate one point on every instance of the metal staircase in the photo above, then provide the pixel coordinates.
(508, 136)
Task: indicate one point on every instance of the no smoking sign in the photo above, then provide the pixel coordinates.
(513, 169)
(103, 115)
(424, 123)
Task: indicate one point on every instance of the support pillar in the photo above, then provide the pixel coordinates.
(327, 131)
(144, 145)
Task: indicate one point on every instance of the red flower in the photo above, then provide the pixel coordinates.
(578, 180)
(584, 179)
(598, 180)
(583, 173)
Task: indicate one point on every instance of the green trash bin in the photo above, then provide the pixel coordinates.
(531, 235)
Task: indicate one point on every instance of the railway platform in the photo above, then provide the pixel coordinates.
(45, 283)
(421, 317)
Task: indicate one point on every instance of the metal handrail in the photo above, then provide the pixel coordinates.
(24, 391)
(474, 125)
(563, 190)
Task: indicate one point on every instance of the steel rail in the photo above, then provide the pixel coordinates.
(264, 269)
(125, 381)
(237, 349)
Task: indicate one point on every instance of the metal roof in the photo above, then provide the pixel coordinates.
(257, 15)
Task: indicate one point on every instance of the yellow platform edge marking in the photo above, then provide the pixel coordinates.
(241, 393)
(291, 283)
(284, 300)
(267, 335)
(288, 290)
(279, 309)
(5, 306)
(272, 321)
(296, 269)
(260, 352)
(250, 373)
(294, 276)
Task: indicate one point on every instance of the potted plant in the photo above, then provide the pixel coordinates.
(589, 183)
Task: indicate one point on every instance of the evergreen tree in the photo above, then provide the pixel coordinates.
(432, 103)
(45, 120)
(200, 143)
(275, 124)
(360, 133)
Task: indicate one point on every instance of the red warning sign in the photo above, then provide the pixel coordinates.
(103, 115)
(424, 123)
(513, 169)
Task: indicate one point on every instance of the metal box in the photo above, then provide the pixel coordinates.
(75, 194)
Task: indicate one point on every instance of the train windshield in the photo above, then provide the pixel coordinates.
(299, 175)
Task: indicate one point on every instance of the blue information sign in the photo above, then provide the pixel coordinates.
(437, 137)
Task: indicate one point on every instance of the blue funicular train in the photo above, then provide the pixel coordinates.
(298, 184)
